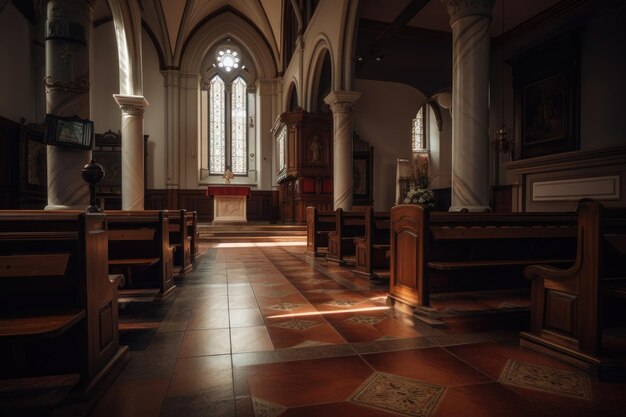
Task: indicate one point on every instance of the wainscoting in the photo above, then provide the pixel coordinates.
(262, 205)
(557, 182)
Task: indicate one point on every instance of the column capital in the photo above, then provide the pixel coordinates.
(462, 8)
(131, 105)
(341, 101)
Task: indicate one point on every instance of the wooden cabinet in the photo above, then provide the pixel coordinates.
(304, 143)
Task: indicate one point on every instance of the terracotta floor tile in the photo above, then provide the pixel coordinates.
(250, 339)
(610, 394)
(198, 405)
(485, 400)
(140, 398)
(343, 409)
(307, 382)
(193, 375)
(492, 358)
(560, 405)
(318, 333)
(432, 365)
(205, 342)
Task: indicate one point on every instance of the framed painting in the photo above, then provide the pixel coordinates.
(362, 178)
(547, 99)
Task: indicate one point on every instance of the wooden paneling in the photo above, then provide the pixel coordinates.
(23, 180)
(557, 182)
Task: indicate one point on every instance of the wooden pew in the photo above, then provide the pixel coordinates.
(443, 251)
(570, 307)
(318, 224)
(371, 249)
(139, 248)
(58, 306)
(180, 242)
(193, 234)
(341, 246)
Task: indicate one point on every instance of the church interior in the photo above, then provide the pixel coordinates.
(312, 208)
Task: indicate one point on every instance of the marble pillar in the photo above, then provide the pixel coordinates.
(341, 103)
(470, 21)
(67, 37)
(132, 150)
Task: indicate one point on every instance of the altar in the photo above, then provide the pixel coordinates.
(229, 203)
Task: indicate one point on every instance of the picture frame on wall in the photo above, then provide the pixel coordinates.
(547, 99)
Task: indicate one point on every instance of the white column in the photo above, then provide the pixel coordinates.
(67, 94)
(470, 21)
(132, 150)
(341, 103)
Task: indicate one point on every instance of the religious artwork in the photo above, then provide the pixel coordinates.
(315, 148)
(544, 110)
(362, 176)
(547, 99)
(37, 155)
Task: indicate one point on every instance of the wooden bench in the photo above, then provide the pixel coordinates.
(58, 304)
(139, 248)
(180, 242)
(318, 224)
(571, 307)
(443, 251)
(372, 249)
(193, 234)
(341, 246)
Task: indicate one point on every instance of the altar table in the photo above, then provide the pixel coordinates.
(229, 203)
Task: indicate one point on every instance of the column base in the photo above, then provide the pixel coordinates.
(469, 209)
(63, 207)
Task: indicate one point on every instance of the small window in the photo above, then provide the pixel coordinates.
(419, 131)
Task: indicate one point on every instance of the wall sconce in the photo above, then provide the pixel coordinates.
(251, 124)
(502, 142)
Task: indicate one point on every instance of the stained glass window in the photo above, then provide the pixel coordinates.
(217, 126)
(239, 142)
(228, 113)
(419, 142)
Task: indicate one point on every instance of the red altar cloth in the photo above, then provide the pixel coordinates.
(228, 190)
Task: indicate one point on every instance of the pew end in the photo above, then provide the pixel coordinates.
(578, 314)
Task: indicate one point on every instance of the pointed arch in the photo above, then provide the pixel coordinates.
(320, 74)
(127, 22)
(228, 25)
(292, 103)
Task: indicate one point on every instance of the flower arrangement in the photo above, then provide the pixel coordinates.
(416, 195)
(419, 191)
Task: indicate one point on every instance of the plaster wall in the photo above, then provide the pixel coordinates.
(387, 128)
(17, 99)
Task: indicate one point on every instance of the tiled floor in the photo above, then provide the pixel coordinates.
(261, 330)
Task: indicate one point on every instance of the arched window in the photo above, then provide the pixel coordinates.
(419, 131)
(228, 115)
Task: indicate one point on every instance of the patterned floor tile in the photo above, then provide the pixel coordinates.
(556, 381)
(296, 324)
(285, 306)
(264, 408)
(343, 303)
(364, 319)
(399, 394)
